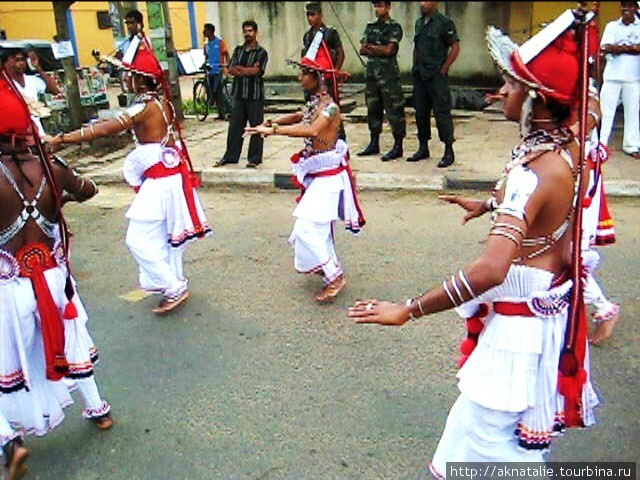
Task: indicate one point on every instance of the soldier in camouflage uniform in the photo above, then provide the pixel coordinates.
(383, 91)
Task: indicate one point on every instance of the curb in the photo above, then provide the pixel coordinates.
(364, 181)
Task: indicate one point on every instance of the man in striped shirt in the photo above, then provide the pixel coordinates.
(247, 65)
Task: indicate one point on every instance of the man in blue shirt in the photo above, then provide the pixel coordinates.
(216, 56)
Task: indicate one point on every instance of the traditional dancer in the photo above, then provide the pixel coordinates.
(43, 332)
(525, 370)
(322, 171)
(166, 213)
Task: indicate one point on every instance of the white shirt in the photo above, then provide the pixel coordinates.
(33, 86)
(622, 67)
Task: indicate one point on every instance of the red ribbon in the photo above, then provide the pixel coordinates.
(34, 260)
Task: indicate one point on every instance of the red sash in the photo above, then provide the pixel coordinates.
(34, 260)
(189, 184)
(520, 309)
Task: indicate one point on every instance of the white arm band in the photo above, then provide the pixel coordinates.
(520, 185)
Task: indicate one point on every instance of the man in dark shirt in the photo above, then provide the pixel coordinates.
(331, 37)
(383, 90)
(436, 46)
(247, 65)
(330, 34)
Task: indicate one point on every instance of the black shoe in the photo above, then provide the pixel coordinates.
(252, 165)
(222, 162)
(421, 154)
(448, 157)
(371, 149)
(395, 152)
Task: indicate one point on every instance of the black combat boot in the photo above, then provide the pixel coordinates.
(373, 148)
(422, 153)
(448, 157)
(395, 152)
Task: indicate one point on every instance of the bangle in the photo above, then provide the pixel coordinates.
(491, 204)
(275, 128)
(408, 304)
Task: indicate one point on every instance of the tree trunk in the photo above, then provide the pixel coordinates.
(164, 49)
(70, 76)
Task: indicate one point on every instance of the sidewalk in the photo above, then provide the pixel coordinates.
(484, 142)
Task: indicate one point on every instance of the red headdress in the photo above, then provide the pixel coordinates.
(139, 58)
(549, 62)
(319, 59)
(15, 119)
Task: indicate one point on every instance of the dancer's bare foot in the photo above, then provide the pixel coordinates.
(331, 290)
(604, 327)
(16, 455)
(168, 304)
(103, 422)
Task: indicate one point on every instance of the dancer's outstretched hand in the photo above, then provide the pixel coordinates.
(376, 311)
(258, 130)
(475, 208)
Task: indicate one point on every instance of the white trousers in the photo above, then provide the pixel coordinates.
(609, 96)
(315, 249)
(6, 432)
(477, 434)
(160, 264)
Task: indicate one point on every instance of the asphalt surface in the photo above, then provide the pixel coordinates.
(253, 380)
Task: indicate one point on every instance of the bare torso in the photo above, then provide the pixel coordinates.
(151, 125)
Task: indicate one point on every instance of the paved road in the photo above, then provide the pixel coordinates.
(252, 381)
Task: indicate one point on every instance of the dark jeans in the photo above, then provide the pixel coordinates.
(433, 94)
(215, 91)
(243, 111)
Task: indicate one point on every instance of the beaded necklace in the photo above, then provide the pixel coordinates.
(308, 115)
(531, 147)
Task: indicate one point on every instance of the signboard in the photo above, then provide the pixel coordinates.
(62, 49)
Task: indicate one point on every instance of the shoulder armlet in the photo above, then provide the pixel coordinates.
(60, 161)
(330, 110)
(135, 109)
(520, 185)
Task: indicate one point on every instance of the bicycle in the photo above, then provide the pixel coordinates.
(203, 98)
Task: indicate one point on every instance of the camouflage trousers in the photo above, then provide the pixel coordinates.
(384, 94)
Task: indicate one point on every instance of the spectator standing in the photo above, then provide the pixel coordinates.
(30, 86)
(216, 55)
(134, 22)
(247, 65)
(621, 45)
(383, 91)
(436, 46)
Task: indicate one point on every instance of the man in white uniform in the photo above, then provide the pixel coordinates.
(621, 44)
